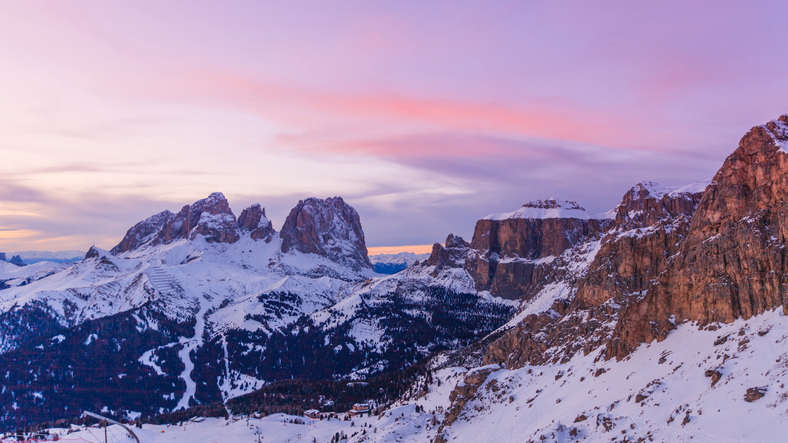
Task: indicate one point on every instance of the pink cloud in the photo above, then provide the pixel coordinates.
(316, 114)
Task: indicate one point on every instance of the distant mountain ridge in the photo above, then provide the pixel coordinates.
(30, 257)
(393, 263)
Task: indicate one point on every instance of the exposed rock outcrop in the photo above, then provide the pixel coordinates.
(93, 252)
(650, 226)
(17, 260)
(454, 254)
(651, 223)
(513, 249)
(254, 221)
(733, 263)
(210, 217)
(461, 394)
(703, 254)
(330, 228)
(142, 232)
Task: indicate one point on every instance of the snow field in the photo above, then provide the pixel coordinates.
(660, 392)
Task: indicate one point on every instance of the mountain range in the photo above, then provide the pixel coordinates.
(659, 320)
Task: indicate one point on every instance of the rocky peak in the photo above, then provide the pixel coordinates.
(210, 217)
(93, 252)
(330, 228)
(455, 254)
(254, 221)
(510, 245)
(544, 209)
(142, 232)
(648, 203)
(537, 229)
(213, 218)
(733, 262)
(17, 260)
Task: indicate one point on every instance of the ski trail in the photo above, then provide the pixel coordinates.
(189, 344)
(165, 283)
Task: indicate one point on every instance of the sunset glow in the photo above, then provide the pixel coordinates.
(423, 117)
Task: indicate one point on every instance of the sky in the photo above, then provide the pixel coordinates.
(424, 116)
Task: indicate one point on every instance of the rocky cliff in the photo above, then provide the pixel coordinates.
(254, 221)
(210, 217)
(702, 254)
(329, 228)
(651, 223)
(514, 251)
(733, 263)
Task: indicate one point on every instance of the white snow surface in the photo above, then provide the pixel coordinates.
(555, 208)
(780, 135)
(14, 275)
(657, 190)
(546, 400)
(550, 208)
(547, 403)
(692, 188)
(191, 278)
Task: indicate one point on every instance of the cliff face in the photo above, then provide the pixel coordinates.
(330, 228)
(705, 255)
(650, 226)
(210, 217)
(515, 250)
(733, 263)
(254, 221)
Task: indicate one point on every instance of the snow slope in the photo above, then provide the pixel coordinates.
(660, 393)
(228, 313)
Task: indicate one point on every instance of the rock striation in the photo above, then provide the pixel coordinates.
(329, 228)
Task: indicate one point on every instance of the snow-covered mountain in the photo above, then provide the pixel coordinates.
(198, 306)
(393, 263)
(660, 320)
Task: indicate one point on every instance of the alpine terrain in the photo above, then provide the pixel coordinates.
(659, 320)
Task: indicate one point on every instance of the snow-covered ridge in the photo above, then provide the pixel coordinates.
(657, 190)
(36, 256)
(407, 258)
(778, 131)
(692, 188)
(555, 208)
(550, 208)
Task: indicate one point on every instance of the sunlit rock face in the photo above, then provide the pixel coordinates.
(210, 217)
(330, 228)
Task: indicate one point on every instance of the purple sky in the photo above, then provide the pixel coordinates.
(425, 116)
